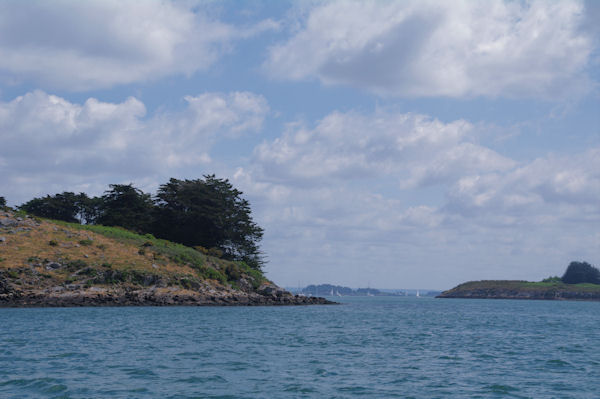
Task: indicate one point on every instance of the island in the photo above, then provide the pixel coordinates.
(338, 290)
(51, 263)
(581, 281)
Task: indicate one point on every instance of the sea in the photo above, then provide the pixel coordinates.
(371, 347)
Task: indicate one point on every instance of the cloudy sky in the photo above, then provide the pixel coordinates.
(405, 144)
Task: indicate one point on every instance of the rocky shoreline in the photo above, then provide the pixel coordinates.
(171, 296)
(43, 264)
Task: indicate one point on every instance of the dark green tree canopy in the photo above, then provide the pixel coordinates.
(211, 213)
(66, 206)
(126, 206)
(581, 272)
(2, 202)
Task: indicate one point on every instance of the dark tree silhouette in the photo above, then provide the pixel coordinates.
(126, 206)
(581, 272)
(211, 213)
(67, 206)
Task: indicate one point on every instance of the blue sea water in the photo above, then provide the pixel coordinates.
(364, 348)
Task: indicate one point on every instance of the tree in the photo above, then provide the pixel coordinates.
(2, 202)
(211, 213)
(126, 206)
(581, 272)
(60, 207)
(67, 206)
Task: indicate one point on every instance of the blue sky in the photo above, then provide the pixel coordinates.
(413, 144)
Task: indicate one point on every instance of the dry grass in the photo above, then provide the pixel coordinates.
(30, 247)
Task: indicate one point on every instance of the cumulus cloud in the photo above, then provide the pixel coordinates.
(431, 48)
(408, 195)
(414, 149)
(542, 185)
(49, 140)
(98, 44)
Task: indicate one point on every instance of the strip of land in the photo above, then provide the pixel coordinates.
(513, 289)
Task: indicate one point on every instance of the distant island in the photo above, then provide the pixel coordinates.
(338, 290)
(581, 281)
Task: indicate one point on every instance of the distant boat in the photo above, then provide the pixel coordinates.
(337, 293)
(418, 296)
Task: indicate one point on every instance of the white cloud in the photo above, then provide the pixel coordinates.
(536, 188)
(432, 48)
(98, 44)
(414, 149)
(47, 140)
(415, 199)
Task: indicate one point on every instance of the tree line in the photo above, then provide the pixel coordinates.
(208, 213)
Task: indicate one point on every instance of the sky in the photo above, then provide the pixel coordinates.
(389, 144)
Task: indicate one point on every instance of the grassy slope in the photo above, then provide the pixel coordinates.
(87, 252)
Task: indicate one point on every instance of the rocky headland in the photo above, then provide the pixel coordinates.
(53, 264)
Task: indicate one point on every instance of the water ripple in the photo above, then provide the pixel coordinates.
(367, 348)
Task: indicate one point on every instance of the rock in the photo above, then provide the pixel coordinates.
(8, 222)
(2, 239)
(53, 265)
(272, 290)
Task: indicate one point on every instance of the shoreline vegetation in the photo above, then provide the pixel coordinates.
(49, 263)
(580, 282)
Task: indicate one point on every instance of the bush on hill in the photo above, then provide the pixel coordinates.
(581, 272)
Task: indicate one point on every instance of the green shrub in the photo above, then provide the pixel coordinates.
(101, 247)
(88, 271)
(233, 272)
(216, 252)
(86, 242)
(142, 251)
(552, 279)
(201, 249)
(75, 265)
(53, 243)
(185, 283)
(12, 274)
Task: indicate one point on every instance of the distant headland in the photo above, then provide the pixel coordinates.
(50, 263)
(581, 281)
